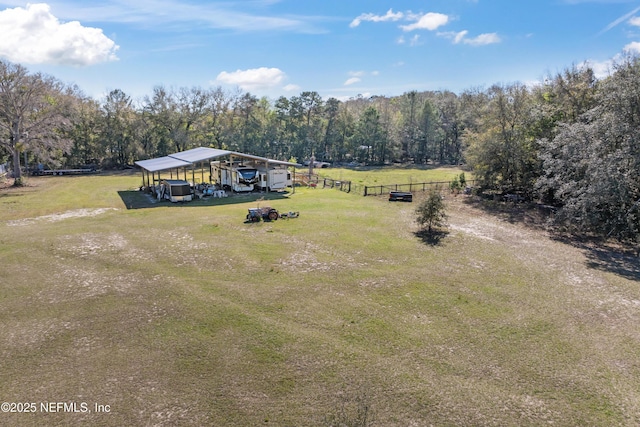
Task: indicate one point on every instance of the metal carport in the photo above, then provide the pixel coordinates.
(189, 158)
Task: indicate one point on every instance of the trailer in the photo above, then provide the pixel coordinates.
(79, 171)
(273, 179)
(235, 176)
(174, 190)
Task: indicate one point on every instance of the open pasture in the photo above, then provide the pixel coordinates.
(374, 176)
(185, 315)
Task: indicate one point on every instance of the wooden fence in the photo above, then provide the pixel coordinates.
(337, 184)
(371, 190)
(377, 190)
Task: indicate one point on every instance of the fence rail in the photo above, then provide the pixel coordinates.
(337, 184)
(371, 190)
(377, 190)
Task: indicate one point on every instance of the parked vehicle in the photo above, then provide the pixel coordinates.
(174, 190)
(265, 213)
(246, 177)
(235, 177)
(273, 179)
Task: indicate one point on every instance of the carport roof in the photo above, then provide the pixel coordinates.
(264, 159)
(199, 154)
(187, 158)
(162, 163)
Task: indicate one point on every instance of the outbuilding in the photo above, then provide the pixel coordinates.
(198, 163)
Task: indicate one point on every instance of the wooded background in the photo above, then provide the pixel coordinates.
(572, 140)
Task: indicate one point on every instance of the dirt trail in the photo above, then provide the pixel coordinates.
(77, 213)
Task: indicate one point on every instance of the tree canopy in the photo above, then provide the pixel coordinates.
(34, 109)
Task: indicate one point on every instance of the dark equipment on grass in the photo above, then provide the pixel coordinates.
(265, 213)
(403, 196)
(290, 214)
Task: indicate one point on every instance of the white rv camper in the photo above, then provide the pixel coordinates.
(236, 177)
(274, 179)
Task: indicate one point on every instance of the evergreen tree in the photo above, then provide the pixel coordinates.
(431, 212)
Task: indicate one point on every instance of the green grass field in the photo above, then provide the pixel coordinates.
(391, 175)
(186, 315)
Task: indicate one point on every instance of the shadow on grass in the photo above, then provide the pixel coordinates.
(532, 215)
(621, 260)
(141, 200)
(601, 255)
(431, 238)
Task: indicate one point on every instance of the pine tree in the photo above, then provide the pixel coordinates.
(431, 212)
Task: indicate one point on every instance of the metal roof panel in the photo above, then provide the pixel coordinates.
(199, 154)
(162, 163)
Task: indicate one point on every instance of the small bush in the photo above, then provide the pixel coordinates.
(463, 180)
(431, 212)
(454, 185)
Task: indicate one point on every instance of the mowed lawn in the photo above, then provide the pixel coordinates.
(176, 315)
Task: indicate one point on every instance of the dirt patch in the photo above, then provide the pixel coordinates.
(77, 213)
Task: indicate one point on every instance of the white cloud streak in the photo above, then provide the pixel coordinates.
(481, 40)
(426, 21)
(429, 21)
(173, 15)
(370, 17)
(252, 79)
(35, 36)
(619, 21)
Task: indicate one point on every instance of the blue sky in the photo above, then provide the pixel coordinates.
(338, 48)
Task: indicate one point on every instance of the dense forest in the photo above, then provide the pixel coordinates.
(571, 141)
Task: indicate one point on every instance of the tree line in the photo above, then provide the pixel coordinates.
(570, 141)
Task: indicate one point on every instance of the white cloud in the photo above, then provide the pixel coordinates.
(633, 47)
(171, 15)
(35, 36)
(356, 76)
(252, 79)
(415, 40)
(635, 21)
(429, 21)
(481, 40)
(370, 17)
(619, 20)
(601, 69)
(459, 37)
(291, 88)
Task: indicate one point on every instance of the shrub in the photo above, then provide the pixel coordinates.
(431, 212)
(463, 180)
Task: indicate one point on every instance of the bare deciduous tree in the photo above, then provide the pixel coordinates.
(33, 110)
